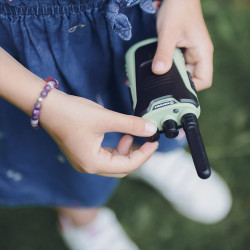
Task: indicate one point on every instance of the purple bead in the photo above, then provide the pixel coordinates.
(43, 94)
(38, 105)
(35, 117)
(47, 88)
(36, 112)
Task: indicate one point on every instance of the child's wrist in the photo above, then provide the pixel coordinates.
(52, 108)
(51, 84)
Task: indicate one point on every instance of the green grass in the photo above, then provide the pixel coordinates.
(225, 125)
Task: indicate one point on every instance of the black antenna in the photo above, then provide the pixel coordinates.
(197, 149)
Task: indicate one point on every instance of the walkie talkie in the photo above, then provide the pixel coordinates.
(169, 100)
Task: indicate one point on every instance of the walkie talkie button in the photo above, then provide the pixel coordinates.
(154, 137)
(170, 128)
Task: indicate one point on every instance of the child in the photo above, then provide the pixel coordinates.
(79, 43)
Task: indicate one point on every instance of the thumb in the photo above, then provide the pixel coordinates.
(163, 58)
(128, 124)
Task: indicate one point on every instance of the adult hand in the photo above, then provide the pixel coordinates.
(78, 127)
(180, 23)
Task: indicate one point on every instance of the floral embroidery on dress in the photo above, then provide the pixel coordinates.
(118, 21)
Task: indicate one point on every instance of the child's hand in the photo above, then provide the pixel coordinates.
(180, 23)
(78, 126)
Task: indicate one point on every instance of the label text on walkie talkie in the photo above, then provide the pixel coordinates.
(164, 104)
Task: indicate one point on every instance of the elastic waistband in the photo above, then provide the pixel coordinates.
(48, 7)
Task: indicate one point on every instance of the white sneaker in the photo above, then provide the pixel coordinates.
(173, 175)
(104, 233)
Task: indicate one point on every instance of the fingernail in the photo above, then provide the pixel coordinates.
(158, 65)
(150, 128)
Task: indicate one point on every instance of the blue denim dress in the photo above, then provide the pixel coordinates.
(78, 43)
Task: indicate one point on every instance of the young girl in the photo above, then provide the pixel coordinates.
(80, 43)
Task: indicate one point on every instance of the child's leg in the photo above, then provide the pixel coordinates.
(79, 216)
(93, 228)
(172, 173)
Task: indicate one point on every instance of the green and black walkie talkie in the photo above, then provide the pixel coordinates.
(168, 100)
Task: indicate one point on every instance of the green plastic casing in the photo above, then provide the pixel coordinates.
(164, 107)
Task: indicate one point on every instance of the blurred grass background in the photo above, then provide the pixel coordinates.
(225, 125)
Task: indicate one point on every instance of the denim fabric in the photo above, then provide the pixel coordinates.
(72, 41)
(118, 21)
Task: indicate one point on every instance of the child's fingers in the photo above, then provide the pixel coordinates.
(163, 58)
(117, 165)
(123, 147)
(203, 74)
(200, 61)
(127, 124)
(190, 68)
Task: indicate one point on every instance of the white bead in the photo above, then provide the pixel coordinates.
(40, 99)
(34, 123)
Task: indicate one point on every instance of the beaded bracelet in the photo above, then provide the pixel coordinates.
(38, 105)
